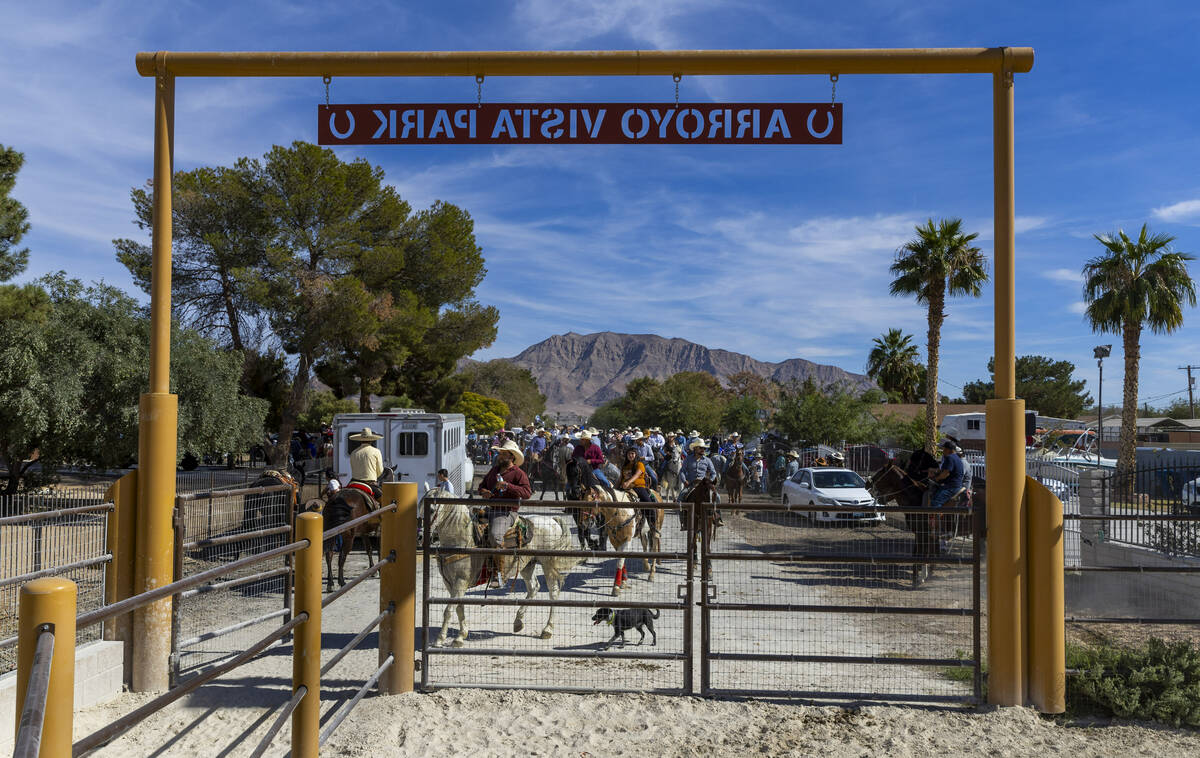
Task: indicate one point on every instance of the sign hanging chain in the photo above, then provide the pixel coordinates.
(677, 77)
(327, 79)
(479, 91)
(833, 83)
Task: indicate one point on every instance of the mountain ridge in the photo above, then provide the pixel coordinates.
(578, 372)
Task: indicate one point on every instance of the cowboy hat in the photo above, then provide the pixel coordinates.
(694, 433)
(366, 435)
(585, 435)
(511, 447)
(792, 454)
(698, 443)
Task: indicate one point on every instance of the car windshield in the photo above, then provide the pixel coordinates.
(828, 480)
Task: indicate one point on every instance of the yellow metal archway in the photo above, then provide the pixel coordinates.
(1012, 678)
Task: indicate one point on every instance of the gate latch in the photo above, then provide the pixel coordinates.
(681, 591)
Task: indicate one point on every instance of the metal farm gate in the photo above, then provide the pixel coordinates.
(574, 658)
(214, 621)
(833, 604)
(788, 607)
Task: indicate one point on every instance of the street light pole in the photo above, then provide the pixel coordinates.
(1101, 352)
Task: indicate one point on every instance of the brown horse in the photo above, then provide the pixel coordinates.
(735, 478)
(345, 505)
(256, 507)
(703, 498)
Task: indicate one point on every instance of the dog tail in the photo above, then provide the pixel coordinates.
(654, 612)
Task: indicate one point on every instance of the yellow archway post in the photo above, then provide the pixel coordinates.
(1007, 559)
(158, 417)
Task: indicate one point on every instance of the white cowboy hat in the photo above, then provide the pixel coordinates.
(366, 435)
(511, 447)
(792, 454)
(584, 435)
(694, 433)
(698, 443)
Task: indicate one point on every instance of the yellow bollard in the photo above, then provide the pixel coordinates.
(398, 586)
(50, 600)
(1047, 628)
(119, 572)
(1006, 567)
(306, 644)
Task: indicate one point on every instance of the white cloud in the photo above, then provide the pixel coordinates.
(564, 23)
(1029, 223)
(1077, 307)
(1067, 275)
(1187, 211)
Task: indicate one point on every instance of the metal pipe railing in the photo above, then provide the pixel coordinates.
(108, 733)
(347, 526)
(345, 711)
(44, 515)
(335, 660)
(373, 569)
(54, 570)
(283, 716)
(137, 601)
(33, 713)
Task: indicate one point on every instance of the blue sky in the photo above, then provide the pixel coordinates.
(777, 252)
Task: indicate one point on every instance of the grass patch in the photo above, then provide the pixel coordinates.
(1157, 681)
(965, 674)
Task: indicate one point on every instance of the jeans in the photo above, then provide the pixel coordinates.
(939, 498)
(499, 522)
(601, 479)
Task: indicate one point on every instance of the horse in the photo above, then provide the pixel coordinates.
(256, 507)
(454, 526)
(720, 464)
(907, 487)
(735, 478)
(618, 521)
(670, 484)
(546, 470)
(703, 498)
(346, 504)
(586, 518)
(649, 531)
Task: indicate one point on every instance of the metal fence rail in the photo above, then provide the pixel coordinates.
(790, 608)
(70, 542)
(573, 653)
(33, 714)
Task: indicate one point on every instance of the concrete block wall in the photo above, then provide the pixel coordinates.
(98, 672)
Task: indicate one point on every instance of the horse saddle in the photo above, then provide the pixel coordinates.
(372, 503)
(516, 536)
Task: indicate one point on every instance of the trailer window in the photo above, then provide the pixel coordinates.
(412, 443)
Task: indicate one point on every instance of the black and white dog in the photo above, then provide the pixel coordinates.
(626, 619)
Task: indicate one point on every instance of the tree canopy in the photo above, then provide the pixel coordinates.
(483, 414)
(1047, 386)
(510, 383)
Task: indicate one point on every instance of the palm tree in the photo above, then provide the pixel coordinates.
(939, 262)
(892, 363)
(1136, 284)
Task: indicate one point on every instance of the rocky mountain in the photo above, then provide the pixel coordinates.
(578, 372)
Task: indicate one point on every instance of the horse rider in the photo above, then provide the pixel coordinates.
(837, 459)
(697, 466)
(635, 478)
(656, 438)
(366, 462)
(332, 485)
(948, 477)
(537, 447)
(592, 457)
(504, 481)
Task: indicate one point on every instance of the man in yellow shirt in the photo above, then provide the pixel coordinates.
(366, 462)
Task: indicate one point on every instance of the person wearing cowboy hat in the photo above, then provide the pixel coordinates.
(697, 466)
(593, 458)
(793, 464)
(366, 462)
(504, 481)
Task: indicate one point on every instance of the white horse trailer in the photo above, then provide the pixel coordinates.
(415, 445)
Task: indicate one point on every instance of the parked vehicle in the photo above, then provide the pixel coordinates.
(831, 487)
(415, 445)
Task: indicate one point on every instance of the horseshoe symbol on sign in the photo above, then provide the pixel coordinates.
(343, 135)
(828, 124)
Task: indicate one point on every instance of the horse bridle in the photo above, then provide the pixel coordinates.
(912, 482)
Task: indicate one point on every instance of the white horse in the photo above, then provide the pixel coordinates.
(453, 526)
(671, 486)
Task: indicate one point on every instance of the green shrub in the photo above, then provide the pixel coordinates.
(1156, 682)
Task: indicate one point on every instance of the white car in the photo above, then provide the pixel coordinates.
(831, 487)
(1191, 496)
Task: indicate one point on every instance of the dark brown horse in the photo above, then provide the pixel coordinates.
(703, 498)
(906, 486)
(346, 504)
(735, 478)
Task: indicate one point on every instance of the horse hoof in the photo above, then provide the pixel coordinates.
(546, 634)
(341, 583)
(518, 626)
(458, 643)
(616, 591)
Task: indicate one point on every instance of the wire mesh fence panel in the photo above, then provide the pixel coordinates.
(1063, 481)
(46, 543)
(1149, 490)
(191, 482)
(599, 643)
(842, 603)
(218, 619)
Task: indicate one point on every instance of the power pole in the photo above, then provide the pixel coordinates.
(1191, 400)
